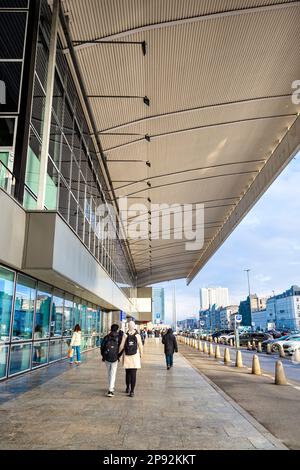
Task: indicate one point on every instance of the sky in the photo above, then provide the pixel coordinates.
(267, 241)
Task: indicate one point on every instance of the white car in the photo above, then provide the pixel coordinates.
(291, 345)
(226, 338)
(281, 341)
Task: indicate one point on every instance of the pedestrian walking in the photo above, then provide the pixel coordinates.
(143, 337)
(110, 355)
(170, 343)
(75, 345)
(132, 351)
(156, 335)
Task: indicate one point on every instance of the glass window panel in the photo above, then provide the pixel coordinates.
(65, 166)
(63, 205)
(73, 213)
(89, 320)
(51, 187)
(20, 355)
(80, 226)
(7, 130)
(76, 314)
(82, 188)
(12, 22)
(55, 144)
(38, 109)
(68, 313)
(10, 75)
(39, 354)
(3, 360)
(83, 318)
(42, 317)
(57, 313)
(65, 347)
(55, 350)
(24, 308)
(75, 178)
(6, 299)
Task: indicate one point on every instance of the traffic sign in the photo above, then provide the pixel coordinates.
(238, 318)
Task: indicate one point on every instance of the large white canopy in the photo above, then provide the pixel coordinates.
(218, 74)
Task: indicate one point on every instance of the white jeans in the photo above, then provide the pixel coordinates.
(112, 372)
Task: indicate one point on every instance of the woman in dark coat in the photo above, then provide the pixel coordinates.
(170, 343)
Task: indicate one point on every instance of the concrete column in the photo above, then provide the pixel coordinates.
(48, 107)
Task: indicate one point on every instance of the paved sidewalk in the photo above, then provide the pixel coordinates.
(175, 409)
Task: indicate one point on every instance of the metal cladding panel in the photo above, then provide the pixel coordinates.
(219, 78)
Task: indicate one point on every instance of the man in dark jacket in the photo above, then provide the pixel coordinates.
(170, 343)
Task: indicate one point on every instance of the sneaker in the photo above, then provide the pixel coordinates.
(110, 394)
(168, 367)
(127, 390)
(131, 394)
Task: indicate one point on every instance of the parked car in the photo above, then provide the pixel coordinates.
(217, 334)
(273, 340)
(281, 341)
(291, 346)
(257, 337)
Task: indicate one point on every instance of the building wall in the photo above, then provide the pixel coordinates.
(218, 296)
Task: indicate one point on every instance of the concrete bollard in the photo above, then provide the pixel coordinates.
(205, 350)
(239, 359)
(227, 358)
(253, 346)
(256, 370)
(215, 340)
(211, 350)
(249, 347)
(296, 356)
(259, 347)
(231, 343)
(281, 351)
(280, 378)
(269, 349)
(217, 352)
(200, 346)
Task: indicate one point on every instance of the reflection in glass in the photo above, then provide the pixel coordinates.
(6, 298)
(40, 354)
(57, 312)
(42, 317)
(24, 308)
(76, 314)
(68, 311)
(55, 350)
(83, 318)
(19, 358)
(65, 347)
(3, 360)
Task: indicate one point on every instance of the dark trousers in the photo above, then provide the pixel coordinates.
(169, 360)
(131, 379)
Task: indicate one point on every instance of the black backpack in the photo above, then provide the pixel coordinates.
(111, 349)
(131, 345)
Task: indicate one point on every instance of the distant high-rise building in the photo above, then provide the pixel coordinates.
(218, 296)
(158, 305)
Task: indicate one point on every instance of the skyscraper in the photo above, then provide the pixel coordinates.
(210, 296)
(158, 305)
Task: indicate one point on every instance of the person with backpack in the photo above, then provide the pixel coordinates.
(110, 355)
(132, 350)
(171, 346)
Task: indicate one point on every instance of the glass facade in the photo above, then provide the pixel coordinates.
(75, 185)
(37, 322)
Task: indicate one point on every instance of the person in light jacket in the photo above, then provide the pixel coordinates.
(132, 350)
(75, 344)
